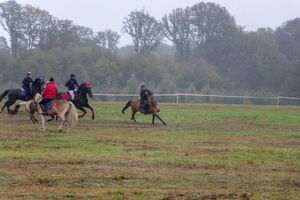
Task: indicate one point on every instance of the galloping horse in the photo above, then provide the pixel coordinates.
(66, 111)
(31, 108)
(135, 107)
(81, 100)
(16, 94)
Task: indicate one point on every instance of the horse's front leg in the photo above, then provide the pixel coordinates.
(43, 128)
(92, 110)
(160, 119)
(153, 118)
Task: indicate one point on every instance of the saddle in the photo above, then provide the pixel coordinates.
(67, 96)
(144, 105)
(47, 106)
(25, 93)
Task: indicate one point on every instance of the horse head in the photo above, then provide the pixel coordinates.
(86, 88)
(37, 98)
(37, 85)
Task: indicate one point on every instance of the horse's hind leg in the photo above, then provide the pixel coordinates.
(10, 103)
(133, 116)
(83, 110)
(3, 107)
(32, 118)
(63, 119)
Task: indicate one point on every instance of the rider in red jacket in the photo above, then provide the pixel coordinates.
(49, 94)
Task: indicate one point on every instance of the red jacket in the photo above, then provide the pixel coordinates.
(50, 91)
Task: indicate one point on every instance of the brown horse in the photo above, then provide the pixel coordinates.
(66, 111)
(135, 107)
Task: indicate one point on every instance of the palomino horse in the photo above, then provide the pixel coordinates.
(66, 111)
(31, 108)
(135, 107)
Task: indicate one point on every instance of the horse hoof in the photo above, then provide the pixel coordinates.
(60, 130)
(93, 118)
(43, 130)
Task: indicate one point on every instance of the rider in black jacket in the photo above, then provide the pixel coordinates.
(72, 84)
(144, 93)
(27, 83)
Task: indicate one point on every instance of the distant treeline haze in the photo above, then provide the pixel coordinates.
(194, 49)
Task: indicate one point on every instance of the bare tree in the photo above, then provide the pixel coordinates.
(210, 21)
(107, 39)
(177, 29)
(144, 29)
(11, 21)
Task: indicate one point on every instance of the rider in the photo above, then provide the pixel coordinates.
(27, 84)
(71, 84)
(49, 94)
(144, 94)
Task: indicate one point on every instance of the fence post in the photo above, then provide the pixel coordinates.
(278, 100)
(177, 99)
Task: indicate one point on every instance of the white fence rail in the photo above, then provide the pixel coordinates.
(278, 99)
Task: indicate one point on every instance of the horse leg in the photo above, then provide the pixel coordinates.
(153, 117)
(133, 116)
(52, 118)
(63, 119)
(159, 119)
(32, 118)
(83, 110)
(3, 107)
(8, 105)
(43, 123)
(92, 110)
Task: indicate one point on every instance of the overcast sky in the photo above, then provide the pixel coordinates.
(109, 14)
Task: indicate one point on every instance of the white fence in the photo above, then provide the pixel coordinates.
(278, 100)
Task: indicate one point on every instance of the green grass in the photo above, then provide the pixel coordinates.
(205, 152)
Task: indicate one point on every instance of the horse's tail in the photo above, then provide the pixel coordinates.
(72, 115)
(126, 106)
(4, 94)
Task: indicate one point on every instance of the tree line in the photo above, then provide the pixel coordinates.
(194, 49)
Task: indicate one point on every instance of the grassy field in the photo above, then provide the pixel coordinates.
(205, 152)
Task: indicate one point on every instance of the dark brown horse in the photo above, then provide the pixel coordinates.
(135, 107)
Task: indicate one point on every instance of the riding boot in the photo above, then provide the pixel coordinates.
(44, 111)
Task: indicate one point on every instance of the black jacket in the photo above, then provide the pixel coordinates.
(145, 93)
(71, 84)
(27, 82)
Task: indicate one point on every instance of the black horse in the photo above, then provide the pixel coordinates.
(16, 94)
(81, 100)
